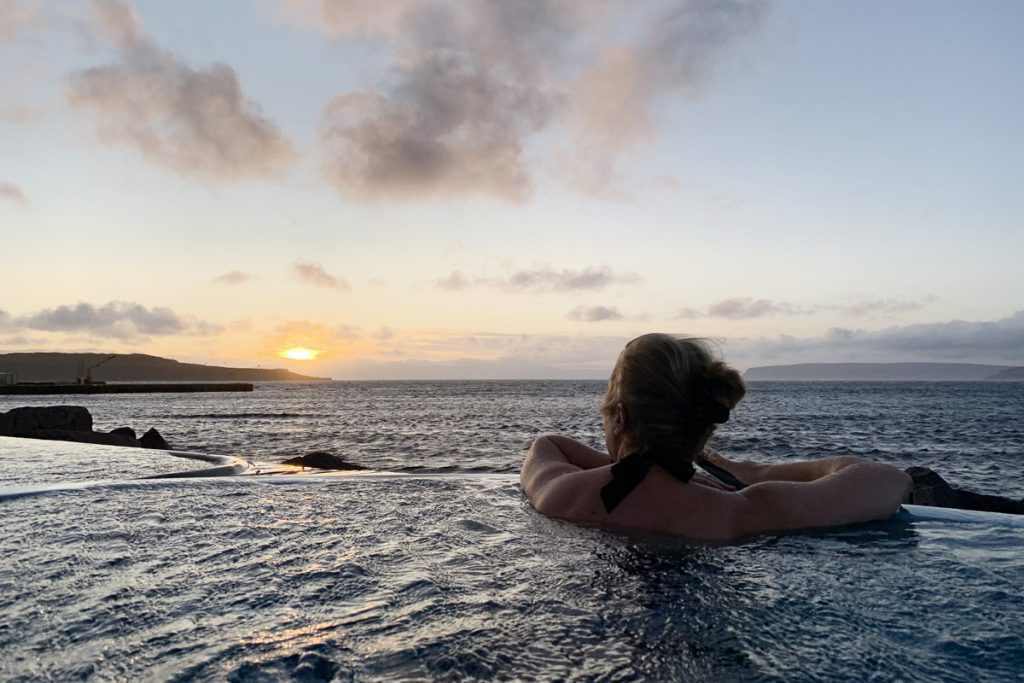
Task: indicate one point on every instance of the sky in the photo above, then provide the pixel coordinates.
(514, 188)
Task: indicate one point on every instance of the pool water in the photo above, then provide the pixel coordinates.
(454, 576)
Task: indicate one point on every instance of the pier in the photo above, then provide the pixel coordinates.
(36, 389)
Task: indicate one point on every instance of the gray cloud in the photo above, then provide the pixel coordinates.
(195, 121)
(958, 340)
(233, 277)
(594, 314)
(472, 82)
(455, 282)
(885, 307)
(314, 274)
(13, 193)
(115, 319)
(20, 340)
(565, 280)
(688, 313)
(612, 102)
(743, 308)
(542, 279)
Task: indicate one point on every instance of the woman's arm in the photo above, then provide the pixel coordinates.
(856, 492)
(750, 472)
(579, 454)
(544, 462)
(551, 458)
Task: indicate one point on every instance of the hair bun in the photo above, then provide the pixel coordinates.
(727, 387)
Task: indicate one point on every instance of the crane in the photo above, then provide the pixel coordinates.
(88, 371)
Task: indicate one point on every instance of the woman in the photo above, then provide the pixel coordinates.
(664, 399)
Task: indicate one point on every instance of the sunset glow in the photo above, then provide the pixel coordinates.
(300, 353)
(443, 203)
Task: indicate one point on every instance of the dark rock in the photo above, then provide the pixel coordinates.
(126, 431)
(20, 420)
(153, 439)
(79, 437)
(70, 423)
(322, 460)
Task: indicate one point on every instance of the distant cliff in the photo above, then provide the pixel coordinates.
(1009, 373)
(133, 367)
(878, 372)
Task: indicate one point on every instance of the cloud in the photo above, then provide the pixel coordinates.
(472, 84)
(743, 308)
(116, 319)
(543, 279)
(455, 282)
(233, 277)
(565, 280)
(197, 122)
(613, 101)
(345, 17)
(594, 314)
(12, 112)
(885, 307)
(687, 313)
(314, 274)
(20, 340)
(16, 15)
(13, 193)
(481, 355)
(957, 340)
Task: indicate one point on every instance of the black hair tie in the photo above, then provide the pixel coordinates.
(718, 414)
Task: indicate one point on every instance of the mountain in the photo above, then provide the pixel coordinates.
(1008, 373)
(132, 367)
(876, 371)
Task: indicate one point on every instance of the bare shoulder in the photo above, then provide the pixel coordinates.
(659, 504)
(574, 495)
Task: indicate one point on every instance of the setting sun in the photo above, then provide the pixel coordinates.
(300, 353)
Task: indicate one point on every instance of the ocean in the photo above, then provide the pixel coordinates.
(449, 574)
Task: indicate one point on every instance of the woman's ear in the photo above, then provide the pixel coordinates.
(620, 418)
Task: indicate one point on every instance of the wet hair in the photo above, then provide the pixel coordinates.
(675, 392)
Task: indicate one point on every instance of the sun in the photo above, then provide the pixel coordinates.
(299, 353)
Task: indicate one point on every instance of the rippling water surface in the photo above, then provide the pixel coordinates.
(454, 576)
(972, 432)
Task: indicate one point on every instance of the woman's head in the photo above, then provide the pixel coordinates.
(665, 395)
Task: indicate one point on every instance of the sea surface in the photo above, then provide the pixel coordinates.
(449, 574)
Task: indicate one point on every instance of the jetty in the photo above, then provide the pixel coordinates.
(41, 388)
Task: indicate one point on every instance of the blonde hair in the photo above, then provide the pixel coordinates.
(674, 391)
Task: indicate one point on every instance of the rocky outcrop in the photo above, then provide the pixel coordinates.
(71, 423)
(31, 419)
(323, 461)
(153, 439)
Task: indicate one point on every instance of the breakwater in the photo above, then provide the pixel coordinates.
(135, 388)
